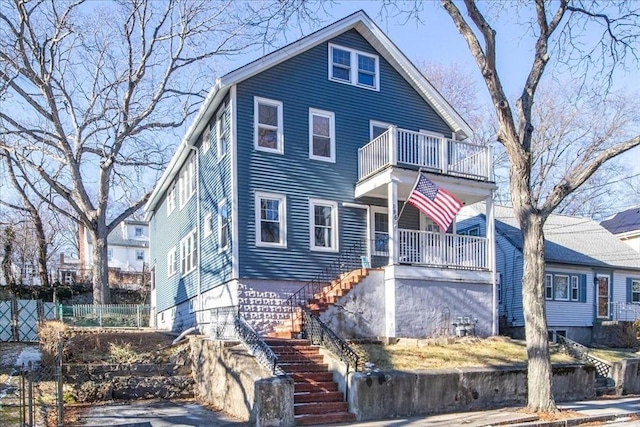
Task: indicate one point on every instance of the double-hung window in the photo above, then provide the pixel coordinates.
(575, 288)
(224, 228)
(270, 219)
(269, 135)
(171, 199)
(221, 135)
(322, 138)
(561, 287)
(187, 182)
(548, 286)
(188, 253)
(140, 255)
(354, 67)
(206, 139)
(138, 231)
(634, 291)
(323, 225)
(208, 226)
(109, 254)
(171, 262)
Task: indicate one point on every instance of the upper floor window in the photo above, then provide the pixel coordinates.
(140, 255)
(138, 232)
(224, 228)
(221, 134)
(268, 125)
(188, 253)
(354, 67)
(322, 138)
(208, 226)
(109, 254)
(171, 262)
(377, 128)
(171, 199)
(206, 139)
(270, 219)
(323, 225)
(187, 182)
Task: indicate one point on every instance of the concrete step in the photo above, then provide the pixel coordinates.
(314, 386)
(320, 407)
(322, 396)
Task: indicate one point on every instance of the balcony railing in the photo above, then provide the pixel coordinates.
(625, 311)
(446, 250)
(404, 147)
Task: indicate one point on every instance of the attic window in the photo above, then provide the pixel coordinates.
(354, 67)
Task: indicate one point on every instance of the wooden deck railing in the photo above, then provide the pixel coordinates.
(446, 250)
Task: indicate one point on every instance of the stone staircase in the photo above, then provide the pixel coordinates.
(317, 399)
(320, 301)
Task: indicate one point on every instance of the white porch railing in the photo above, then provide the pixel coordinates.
(625, 311)
(447, 250)
(400, 146)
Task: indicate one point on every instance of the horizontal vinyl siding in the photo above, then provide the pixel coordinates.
(215, 185)
(302, 83)
(571, 313)
(509, 265)
(620, 284)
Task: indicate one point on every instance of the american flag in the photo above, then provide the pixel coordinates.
(436, 203)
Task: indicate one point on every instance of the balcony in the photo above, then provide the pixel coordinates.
(400, 147)
(443, 250)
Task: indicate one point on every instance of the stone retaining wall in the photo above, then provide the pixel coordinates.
(626, 375)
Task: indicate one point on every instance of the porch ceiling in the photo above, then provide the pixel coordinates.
(466, 190)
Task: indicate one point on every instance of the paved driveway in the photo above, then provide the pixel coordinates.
(155, 414)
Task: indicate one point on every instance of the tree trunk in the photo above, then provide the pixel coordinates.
(539, 378)
(42, 250)
(100, 269)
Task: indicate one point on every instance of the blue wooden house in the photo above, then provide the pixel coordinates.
(590, 276)
(302, 160)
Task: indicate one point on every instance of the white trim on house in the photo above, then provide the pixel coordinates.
(171, 262)
(187, 183)
(359, 21)
(332, 135)
(206, 139)
(221, 148)
(171, 199)
(282, 219)
(333, 228)
(235, 268)
(208, 226)
(353, 67)
(222, 205)
(278, 128)
(188, 253)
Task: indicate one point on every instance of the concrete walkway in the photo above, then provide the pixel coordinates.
(178, 414)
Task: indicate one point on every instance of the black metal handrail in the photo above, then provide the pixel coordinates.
(256, 346)
(578, 351)
(316, 331)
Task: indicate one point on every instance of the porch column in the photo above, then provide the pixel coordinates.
(392, 201)
(491, 261)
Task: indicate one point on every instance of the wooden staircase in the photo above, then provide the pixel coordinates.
(316, 398)
(320, 302)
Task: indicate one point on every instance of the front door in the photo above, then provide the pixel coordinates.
(602, 296)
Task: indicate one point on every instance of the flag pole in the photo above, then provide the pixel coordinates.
(415, 184)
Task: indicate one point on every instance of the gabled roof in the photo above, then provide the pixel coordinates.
(570, 240)
(624, 222)
(359, 21)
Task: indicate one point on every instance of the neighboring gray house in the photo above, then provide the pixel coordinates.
(625, 226)
(127, 247)
(591, 276)
(308, 154)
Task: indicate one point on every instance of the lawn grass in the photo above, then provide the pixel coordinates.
(614, 354)
(497, 351)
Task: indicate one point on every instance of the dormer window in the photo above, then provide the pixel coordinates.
(354, 67)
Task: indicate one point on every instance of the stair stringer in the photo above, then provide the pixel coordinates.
(361, 312)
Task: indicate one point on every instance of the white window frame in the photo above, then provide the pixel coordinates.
(140, 230)
(635, 292)
(334, 229)
(353, 67)
(221, 148)
(208, 226)
(279, 128)
(376, 123)
(223, 204)
(171, 199)
(188, 260)
(109, 254)
(139, 255)
(548, 284)
(206, 138)
(574, 286)
(282, 213)
(187, 182)
(332, 134)
(555, 287)
(171, 262)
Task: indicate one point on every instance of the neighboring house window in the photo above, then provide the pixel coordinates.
(499, 288)
(323, 225)
(548, 286)
(206, 139)
(472, 231)
(354, 67)
(633, 291)
(270, 219)
(221, 136)
(268, 125)
(171, 262)
(187, 182)
(575, 288)
(188, 253)
(138, 231)
(109, 254)
(140, 255)
(322, 138)
(561, 287)
(208, 226)
(171, 199)
(223, 225)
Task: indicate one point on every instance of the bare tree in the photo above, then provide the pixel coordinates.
(93, 92)
(516, 130)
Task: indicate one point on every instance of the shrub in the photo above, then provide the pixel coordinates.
(48, 333)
